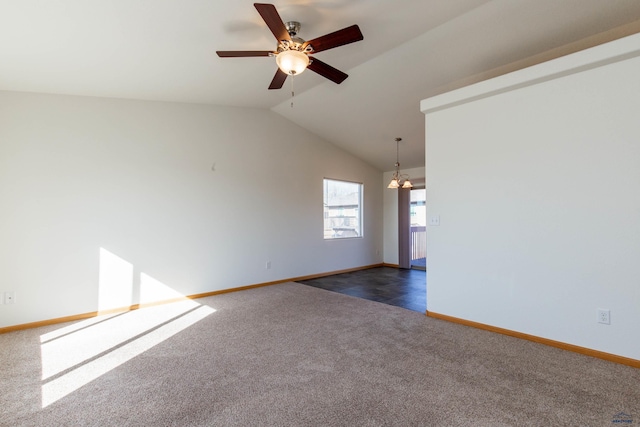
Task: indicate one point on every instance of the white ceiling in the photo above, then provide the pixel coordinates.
(165, 50)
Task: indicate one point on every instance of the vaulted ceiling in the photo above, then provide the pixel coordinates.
(165, 50)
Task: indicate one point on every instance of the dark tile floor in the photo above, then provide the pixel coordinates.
(420, 263)
(394, 286)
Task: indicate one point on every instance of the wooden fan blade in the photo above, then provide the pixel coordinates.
(278, 79)
(242, 53)
(326, 70)
(272, 19)
(337, 38)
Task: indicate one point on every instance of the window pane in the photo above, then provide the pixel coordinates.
(418, 207)
(342, 209)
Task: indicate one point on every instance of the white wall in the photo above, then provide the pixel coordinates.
(135, 178)
(390, 202)
(536, 177)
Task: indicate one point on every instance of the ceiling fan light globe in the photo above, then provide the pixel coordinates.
(292, 62)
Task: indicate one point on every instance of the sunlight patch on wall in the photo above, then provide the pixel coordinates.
(152, 290)
(115, 282)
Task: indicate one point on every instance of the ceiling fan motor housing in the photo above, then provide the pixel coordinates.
(296, 43)
(293, 28)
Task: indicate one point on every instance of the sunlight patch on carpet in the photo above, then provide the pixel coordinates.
(89, 353)
(75, 355)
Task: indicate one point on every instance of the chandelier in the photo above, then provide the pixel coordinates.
(399, 180)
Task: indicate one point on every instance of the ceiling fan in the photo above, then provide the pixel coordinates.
(293, 54)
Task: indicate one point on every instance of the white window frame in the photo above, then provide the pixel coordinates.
(343, 214)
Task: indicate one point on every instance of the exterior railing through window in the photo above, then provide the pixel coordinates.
(418, 242)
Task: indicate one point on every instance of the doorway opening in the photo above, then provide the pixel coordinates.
(418, 239)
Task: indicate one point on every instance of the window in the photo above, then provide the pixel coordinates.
(342, 209)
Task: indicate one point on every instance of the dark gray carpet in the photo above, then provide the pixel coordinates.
(294, 355)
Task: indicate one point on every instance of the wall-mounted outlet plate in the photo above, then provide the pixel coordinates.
(604, 316)
(9, 297)
(434, 220)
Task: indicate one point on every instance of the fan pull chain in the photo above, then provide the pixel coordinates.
(292, 92)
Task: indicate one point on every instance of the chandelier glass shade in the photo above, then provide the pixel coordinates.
(292, 61)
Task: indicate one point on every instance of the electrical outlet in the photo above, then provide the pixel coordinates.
(267, 265)
(9, 297)
(434, 220)
(604, 316)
